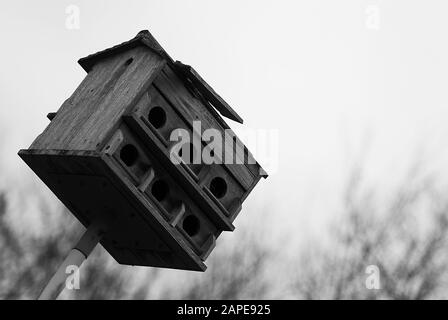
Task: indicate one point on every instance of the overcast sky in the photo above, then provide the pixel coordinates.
(335, 79)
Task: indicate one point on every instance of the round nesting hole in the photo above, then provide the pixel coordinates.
(218, 187)
(160, 190)
(129, 155)
(187, 153)
(157, 117)
(191, 225)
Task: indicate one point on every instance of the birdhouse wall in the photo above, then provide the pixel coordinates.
(86, 118)
(93, 186)
(186, 106)
(202, 173)
(138, 165)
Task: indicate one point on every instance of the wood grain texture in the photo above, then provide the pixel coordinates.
(182, 177)
(207, 92)
(191, 108)
(202, 173)
(176, 201)
(143, 38)
(94, 109)
(90, 184)
(79, 156)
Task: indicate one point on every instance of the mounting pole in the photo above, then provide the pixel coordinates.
(76, 257)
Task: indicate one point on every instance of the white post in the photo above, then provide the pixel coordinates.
(76, 257)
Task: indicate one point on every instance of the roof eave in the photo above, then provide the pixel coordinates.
(146, 39)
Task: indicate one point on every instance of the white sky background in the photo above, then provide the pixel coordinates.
(332, 86)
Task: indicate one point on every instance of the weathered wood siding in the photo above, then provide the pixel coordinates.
(94, 109)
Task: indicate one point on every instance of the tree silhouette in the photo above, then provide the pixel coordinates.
(406, 238)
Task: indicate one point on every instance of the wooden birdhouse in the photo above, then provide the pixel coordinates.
(108, 151)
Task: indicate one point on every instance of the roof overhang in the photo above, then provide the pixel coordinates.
(186, 72)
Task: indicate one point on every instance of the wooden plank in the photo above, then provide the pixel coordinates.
(86, 118)
(143, 38)
(176, 197)
(88, 184)
(192, 109)
(209, 94)
(178, 173)
(175, 241)
(174, 120)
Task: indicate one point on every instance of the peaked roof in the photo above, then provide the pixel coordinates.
(186, 72)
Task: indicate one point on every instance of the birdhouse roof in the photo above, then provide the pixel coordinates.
(186, 72)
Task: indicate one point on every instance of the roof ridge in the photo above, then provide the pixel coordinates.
(185, 72)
